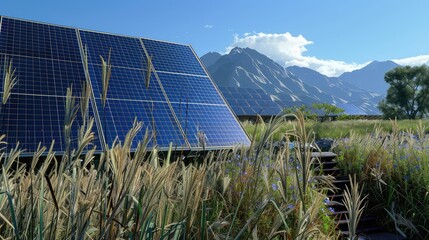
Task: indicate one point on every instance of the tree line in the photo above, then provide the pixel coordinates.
(408, 94)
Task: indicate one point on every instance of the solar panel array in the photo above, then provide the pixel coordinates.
(180, 106)
(351, 109)
(250, 101)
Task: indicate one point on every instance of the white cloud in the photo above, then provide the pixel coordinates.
(289, 50)
(413, 61)
(208, 26)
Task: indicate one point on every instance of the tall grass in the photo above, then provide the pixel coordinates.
(239, 194)
(394, 167)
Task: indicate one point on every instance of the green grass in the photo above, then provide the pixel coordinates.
(339, 129)
(238, 194)
(394, 168)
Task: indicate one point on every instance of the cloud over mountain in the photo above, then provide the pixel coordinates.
(413, 61)
(290, 50)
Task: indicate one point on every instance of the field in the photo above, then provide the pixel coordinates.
(239, 194)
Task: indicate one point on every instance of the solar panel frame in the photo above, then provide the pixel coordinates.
(43, 80)
(61, 43)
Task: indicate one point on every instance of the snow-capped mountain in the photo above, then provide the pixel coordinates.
(293, 86)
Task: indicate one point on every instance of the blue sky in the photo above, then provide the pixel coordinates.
(331, 36)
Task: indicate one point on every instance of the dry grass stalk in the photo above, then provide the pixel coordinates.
(9, 80)
(106, 71)
(355, 205)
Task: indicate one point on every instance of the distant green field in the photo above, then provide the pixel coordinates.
(339, 129)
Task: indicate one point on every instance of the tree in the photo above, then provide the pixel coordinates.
(321, 111)
(408, 94)
(328, 110)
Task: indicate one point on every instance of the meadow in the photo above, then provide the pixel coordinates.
(244, 193)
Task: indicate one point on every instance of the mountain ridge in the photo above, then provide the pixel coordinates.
(247, 68)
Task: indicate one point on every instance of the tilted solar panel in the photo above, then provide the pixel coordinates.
(181, 105)
(46, 60)
(249, 101)
(205, 118)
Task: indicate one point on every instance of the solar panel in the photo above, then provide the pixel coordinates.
(250, 101)
(181, 105)
(351, 109)
(171, 57)
(47, 61)
(178, 82)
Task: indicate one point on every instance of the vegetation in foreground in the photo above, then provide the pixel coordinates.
(340, 129)
(239, 194)
(394, 167)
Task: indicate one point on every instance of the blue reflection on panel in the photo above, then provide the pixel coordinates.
(124, 51)
(118, 116)
(193, 89)
(38, 40)
(171, 57)
(127, 84)
(211, 126)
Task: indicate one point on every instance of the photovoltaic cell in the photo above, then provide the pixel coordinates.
(170, 57)
(47, 61)
(124, 51)
(118, 116)
(249, 102)
(181, 105)
(193, 89)
(126, 84)
(210, 126)
(128, 98)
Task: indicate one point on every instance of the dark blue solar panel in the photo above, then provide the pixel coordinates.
(351, 109)
(193, 89)
(46, 76)
(38, 40)
(30, 119)
(172, 57)
(126, 84)
(128, 99)
(216, 123)
(181, 104)
(248, 101)
(118, 116)
(124, 51)
(47, 61)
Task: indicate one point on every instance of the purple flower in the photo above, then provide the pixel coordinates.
(332, 210)
(290, 206)
(326, 201)
(274, 187)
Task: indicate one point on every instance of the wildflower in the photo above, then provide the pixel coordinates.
(406, 177)
(290, 206)
(331, 209)
(327, 201)
(274, 187)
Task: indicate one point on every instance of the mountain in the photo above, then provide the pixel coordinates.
(294, 86)
(210, 58)
(370, 77)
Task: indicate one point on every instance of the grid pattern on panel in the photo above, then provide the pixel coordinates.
(41, 120)
(194, 89)
(47, 61)
(38, 40)
(126, 84)
(118, 116)
(248, 101)
(170, 57)
(128, 98)
(124, 51)
(211, 126)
